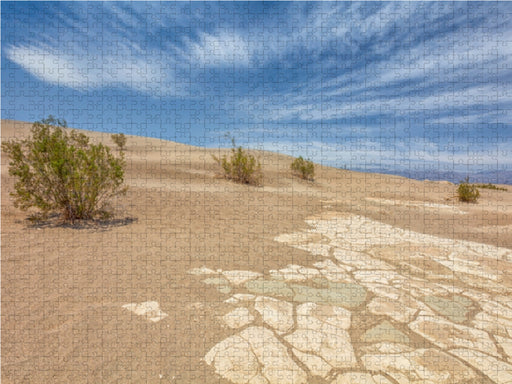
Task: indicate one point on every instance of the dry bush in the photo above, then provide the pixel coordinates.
(305, 169)
(240, 166)
(467, 192)
(62, 172)
(120, 140)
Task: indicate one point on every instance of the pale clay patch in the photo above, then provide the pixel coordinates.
(149, 309)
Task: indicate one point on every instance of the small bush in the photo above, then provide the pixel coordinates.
(120, 140)
(303, 168)
(241, 166)
(490, 186)
(62, 172)
(467, 192)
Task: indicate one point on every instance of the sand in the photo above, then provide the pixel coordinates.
(64, 288)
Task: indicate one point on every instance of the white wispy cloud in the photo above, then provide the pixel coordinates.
(219, 49)
(82, 70)
(128, 15)
(54, 67)
(308, 109)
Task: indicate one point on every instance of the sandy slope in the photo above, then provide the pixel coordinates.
(63, 288)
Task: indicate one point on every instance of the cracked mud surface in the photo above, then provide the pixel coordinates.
(381, 305)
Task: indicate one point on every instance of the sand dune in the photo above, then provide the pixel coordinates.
(394, 271)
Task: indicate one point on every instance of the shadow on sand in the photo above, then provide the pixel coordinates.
(55, 220)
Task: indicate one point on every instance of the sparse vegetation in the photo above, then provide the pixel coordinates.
(62, 172)
(467, 192)
(490, 186)
(120, 140)
(303, 168)
(241, 166)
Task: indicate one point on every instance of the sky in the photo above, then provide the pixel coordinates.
(370, 86)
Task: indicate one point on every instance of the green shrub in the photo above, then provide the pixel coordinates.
(241, 166)
(120, 140)
(490, 186)
(303, 168)
(62, 172)
(467, 192)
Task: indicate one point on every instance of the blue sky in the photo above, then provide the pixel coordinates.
(390, 86)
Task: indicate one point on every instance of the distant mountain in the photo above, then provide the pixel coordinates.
(494, 177)
(497, 177)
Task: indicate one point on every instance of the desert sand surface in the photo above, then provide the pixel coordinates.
(352, 278)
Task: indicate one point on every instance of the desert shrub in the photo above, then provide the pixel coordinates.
(62, 172)
(467, 192)
(240, 166)
(303, 168)
(120, 140)
(490, 186)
